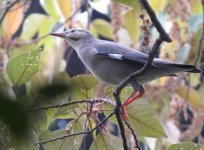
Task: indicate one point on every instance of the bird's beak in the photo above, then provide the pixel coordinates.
(62, 35)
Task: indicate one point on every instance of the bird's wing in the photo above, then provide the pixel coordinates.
(118, 52)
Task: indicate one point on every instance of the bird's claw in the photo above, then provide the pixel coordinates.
(124, 114)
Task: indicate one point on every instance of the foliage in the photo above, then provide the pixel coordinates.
(185, 145)
(37, 92)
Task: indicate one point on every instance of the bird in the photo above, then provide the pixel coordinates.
(112, 62)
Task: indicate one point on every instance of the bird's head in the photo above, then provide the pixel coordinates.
(75, 37)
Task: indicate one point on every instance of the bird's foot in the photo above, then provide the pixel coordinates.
(132, 98)
(124, 114)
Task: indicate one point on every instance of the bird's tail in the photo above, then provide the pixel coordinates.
(185, 68)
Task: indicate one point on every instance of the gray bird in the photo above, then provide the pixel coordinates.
(112, 62)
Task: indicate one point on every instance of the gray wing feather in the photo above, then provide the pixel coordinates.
(120, 52)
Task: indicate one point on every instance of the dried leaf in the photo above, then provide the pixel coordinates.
(13, 19)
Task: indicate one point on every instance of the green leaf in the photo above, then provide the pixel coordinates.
(125, 93)
(46, 27)
(16, 51)
(185, 146)
(24, 143)
(158, 5)
(67, 143)
(79, 94)
(65, 111)
(132, 23)
(84, 82)
(105, 141)
(31, 25)
(143, 121)
(50, 8)
(103, 28)
(13, 115)
(20, 69)
(39, 120)
(82, 86)
(56, 92)
(109, 91)
(132, 3)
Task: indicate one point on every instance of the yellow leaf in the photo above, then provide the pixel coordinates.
(195, 79)
(65, 8)
(196, 7)
(132, 23)
(164, 81)
(13, 19)
(103, 28)
(168, 51)
(132, 3)
(194, 97)
(158, 5)
(93, 31)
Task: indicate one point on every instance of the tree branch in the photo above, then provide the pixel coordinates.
(134, 135)
(163, 36)
(79, 133)
(98, 100)
(132, 76)
(120, 122)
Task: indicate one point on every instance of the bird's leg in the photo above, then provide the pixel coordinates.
(134, 96)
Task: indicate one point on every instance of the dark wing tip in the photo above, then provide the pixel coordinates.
(192, 69)
(195, 70)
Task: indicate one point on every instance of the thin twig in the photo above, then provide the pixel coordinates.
(90, 125)
(120, 122)
(79, 133)
(98, 100)
(134, 135)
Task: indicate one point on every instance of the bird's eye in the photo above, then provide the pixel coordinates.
(72, 31)
(74, 38)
